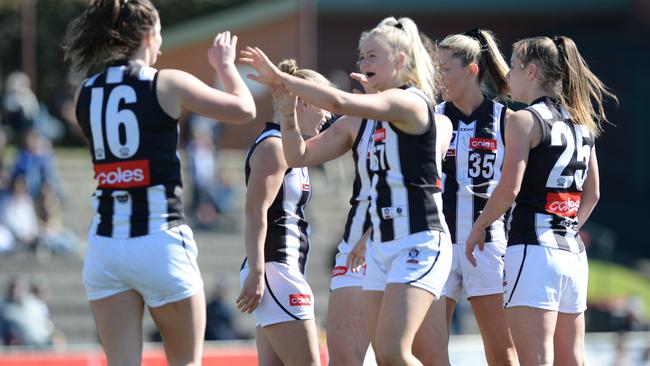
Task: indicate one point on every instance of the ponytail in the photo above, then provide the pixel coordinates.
(107, 30)
(480, 47)
(402, 35)
(566, 74)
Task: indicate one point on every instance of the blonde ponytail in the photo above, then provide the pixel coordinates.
(567, 76)
(480, 47)
(402, 35)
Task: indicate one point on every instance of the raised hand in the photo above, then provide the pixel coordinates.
(223, 50)
(268, 73)
(285, 101)
(363, 80)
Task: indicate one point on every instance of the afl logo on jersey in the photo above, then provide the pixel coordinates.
(564, 204)
(127, 174)
(413, 253)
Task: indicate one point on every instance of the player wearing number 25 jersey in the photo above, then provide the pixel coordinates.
(550, 171)
(140, 251)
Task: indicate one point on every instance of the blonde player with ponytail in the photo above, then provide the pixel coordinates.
(472, 66)
(409, 255)
(550, 172)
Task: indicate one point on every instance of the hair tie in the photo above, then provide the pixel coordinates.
(477, 35)
(398, 25)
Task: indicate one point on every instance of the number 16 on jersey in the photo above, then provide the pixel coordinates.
(109, 119)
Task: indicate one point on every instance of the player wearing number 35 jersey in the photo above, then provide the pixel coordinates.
(471, 170)
(140, 251)
(551, 173)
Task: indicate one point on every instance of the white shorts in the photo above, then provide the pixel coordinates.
(546, 278)
(484, 279)
(341, 277)
(161, 266)
(422, 260)
(287, 295)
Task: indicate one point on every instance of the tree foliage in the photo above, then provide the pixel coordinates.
(53, 17)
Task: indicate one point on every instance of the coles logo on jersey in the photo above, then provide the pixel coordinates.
(484, 144)
(126, 174)
(379, 135)
(565, 204)
(300, 300)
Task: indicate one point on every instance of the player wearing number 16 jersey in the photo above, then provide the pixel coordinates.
(140, 251)
(551, 173)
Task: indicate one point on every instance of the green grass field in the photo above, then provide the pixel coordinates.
(608, 281)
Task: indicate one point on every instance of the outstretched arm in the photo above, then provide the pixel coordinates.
(325, 146)
(395, 105)
(178, 90)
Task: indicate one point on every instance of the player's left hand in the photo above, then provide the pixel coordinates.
(476, 237)
(356, 259)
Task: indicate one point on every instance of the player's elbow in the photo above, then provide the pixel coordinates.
(591, 196)
(337, 104)
(246, 112)
(294, 161)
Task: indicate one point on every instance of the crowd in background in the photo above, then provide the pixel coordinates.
(32, 197)
(31, 194)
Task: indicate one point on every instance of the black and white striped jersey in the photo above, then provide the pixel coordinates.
(545, 210)
(358, 218)
(405, 172)
(287, 232)
(472, 167)
(133, 144)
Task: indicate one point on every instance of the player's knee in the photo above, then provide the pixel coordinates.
(390, 353)
(346, 356)
(503, 356)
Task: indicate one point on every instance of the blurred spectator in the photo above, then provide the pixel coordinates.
(35, 161)
(220, 319)
(40, 290)
(19, 104)
(53, 234)
(23, 318)
(628, 314)
(23, 111)
(6, 238)
(17, 213)
(212, 194)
